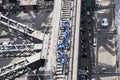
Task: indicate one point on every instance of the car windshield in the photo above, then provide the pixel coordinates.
(102, 21)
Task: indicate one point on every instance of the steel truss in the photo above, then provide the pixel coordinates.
(20, 29)
(86, 40)
(18, 50)
(17, 69)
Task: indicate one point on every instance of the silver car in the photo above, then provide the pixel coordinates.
(104, 23)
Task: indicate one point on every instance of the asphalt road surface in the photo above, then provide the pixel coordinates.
(105, 40)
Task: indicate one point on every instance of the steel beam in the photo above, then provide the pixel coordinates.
(104, 7)
(17, 69)
(19, 50)
(17, 54)
(21, 28)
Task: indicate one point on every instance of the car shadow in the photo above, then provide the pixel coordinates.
(106, 41)
(107, 67)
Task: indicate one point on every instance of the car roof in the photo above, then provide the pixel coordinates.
(104, 19)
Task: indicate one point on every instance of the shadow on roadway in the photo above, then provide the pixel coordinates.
(106, 41)
(108, 68)
(5, 62)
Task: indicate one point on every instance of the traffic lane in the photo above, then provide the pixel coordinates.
(106, 41)
(106, 52)
(106, 48)
(109, 18)
(105, 13)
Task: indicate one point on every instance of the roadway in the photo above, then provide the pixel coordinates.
(105, 41)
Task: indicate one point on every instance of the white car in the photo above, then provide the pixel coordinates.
(104, 23)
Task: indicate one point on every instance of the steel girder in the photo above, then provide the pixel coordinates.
(20, 29)
(17, 69)
(18, 50)
(86, 40)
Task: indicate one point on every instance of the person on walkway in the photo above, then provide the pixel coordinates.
(61, 46)
(61, 55)
(64, 27)
(67, 22)
(65, 38)
(63, 64)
